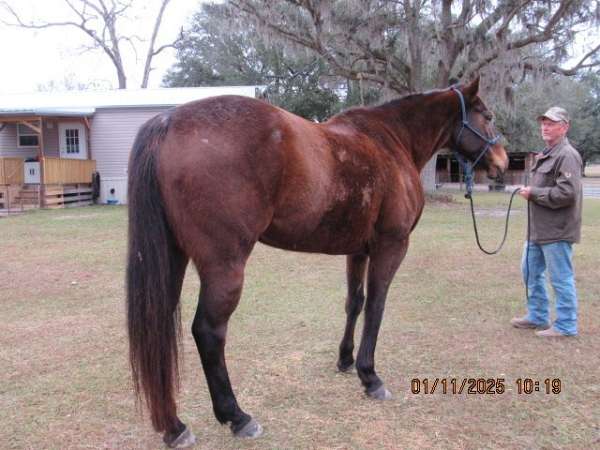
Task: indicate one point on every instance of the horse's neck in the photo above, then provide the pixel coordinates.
(422, 123)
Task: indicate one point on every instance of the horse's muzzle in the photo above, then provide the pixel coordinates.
(497, 162)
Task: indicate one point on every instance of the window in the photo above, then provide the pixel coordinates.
(26, 137)
(72, 140)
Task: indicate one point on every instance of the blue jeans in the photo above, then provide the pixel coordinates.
(557, 259)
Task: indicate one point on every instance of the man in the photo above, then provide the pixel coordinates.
(555, 198)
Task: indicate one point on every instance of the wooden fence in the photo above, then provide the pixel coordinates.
(68, 171)
(11, 171)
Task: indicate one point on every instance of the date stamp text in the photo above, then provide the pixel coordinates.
(484, 386)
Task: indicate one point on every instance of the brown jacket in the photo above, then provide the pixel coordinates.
(556, 195)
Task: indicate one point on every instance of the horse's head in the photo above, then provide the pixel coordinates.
(475, 136)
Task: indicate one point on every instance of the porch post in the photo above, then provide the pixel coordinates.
(41, 159)
(88, 139)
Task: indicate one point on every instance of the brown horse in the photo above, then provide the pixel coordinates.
(209, 179)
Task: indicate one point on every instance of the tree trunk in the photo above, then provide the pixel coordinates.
(428, 175)
(122, 78)
(151, 52)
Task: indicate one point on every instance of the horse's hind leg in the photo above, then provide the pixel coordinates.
(383, 263)
(221, 288)
(355, 272)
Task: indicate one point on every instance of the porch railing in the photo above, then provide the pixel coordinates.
(68, 171)
(11, 171)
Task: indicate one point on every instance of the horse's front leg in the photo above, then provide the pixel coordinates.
(356, 266)
(383, 263)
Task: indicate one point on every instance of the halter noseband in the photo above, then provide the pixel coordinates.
(488, 143)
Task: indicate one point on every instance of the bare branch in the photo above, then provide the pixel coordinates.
(151, 52)
(573, 70)
(31, 25)
(163, 47)
(86, 12)
(547, 32)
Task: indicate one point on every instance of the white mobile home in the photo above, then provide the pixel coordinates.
(52, 143)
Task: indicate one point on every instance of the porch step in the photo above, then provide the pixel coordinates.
(28, 197)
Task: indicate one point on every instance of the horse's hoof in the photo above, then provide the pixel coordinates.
(381, 393)
(251, 430)
(184, 440)
(345, 368)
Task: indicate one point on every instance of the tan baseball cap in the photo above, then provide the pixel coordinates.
(556, 114)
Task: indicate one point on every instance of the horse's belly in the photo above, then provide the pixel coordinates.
(341, 238)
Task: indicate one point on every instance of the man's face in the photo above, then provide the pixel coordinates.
(553, 132)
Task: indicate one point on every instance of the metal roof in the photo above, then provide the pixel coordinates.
(86, 102)
(47, 112)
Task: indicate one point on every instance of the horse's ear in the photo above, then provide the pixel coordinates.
(471, 89)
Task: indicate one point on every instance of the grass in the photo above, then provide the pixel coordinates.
(64, 375)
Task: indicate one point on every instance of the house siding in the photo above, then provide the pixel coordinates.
(8, 144)
(113, 131)
(51, 138)
(112, 134)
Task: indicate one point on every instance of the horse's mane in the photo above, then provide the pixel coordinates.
(395, 104)
(408, 98)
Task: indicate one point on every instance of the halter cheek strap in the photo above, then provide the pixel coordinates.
(488, 143)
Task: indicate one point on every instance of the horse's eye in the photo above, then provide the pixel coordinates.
(488, 116)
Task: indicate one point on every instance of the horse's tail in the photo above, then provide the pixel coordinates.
(153, 317)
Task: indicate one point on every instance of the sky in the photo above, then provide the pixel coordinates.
(30, 58)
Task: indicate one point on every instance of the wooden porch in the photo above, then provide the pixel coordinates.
(63, 183)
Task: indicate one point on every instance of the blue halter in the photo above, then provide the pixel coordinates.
(466, 165)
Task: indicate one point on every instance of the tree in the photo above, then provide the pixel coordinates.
(69, 83)
(99, 21)
(587, 122)
(415, 44)
(215, 50)
(411, 45)
(581, 98)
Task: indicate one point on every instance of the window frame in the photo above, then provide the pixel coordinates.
(73, 142)
(31, 133)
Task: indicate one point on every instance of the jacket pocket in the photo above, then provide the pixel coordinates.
(543, 176)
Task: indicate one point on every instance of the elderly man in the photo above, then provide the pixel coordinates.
(555, 198)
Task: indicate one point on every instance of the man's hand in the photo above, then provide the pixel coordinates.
(525, 192)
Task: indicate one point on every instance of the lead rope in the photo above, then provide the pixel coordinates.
(468, 176)
(497, 250)
(527, 252)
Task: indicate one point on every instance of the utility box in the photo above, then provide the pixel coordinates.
(32, 173)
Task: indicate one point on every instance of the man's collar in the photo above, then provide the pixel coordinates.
(548, 150)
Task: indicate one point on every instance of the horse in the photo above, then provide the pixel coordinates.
(211, 178)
